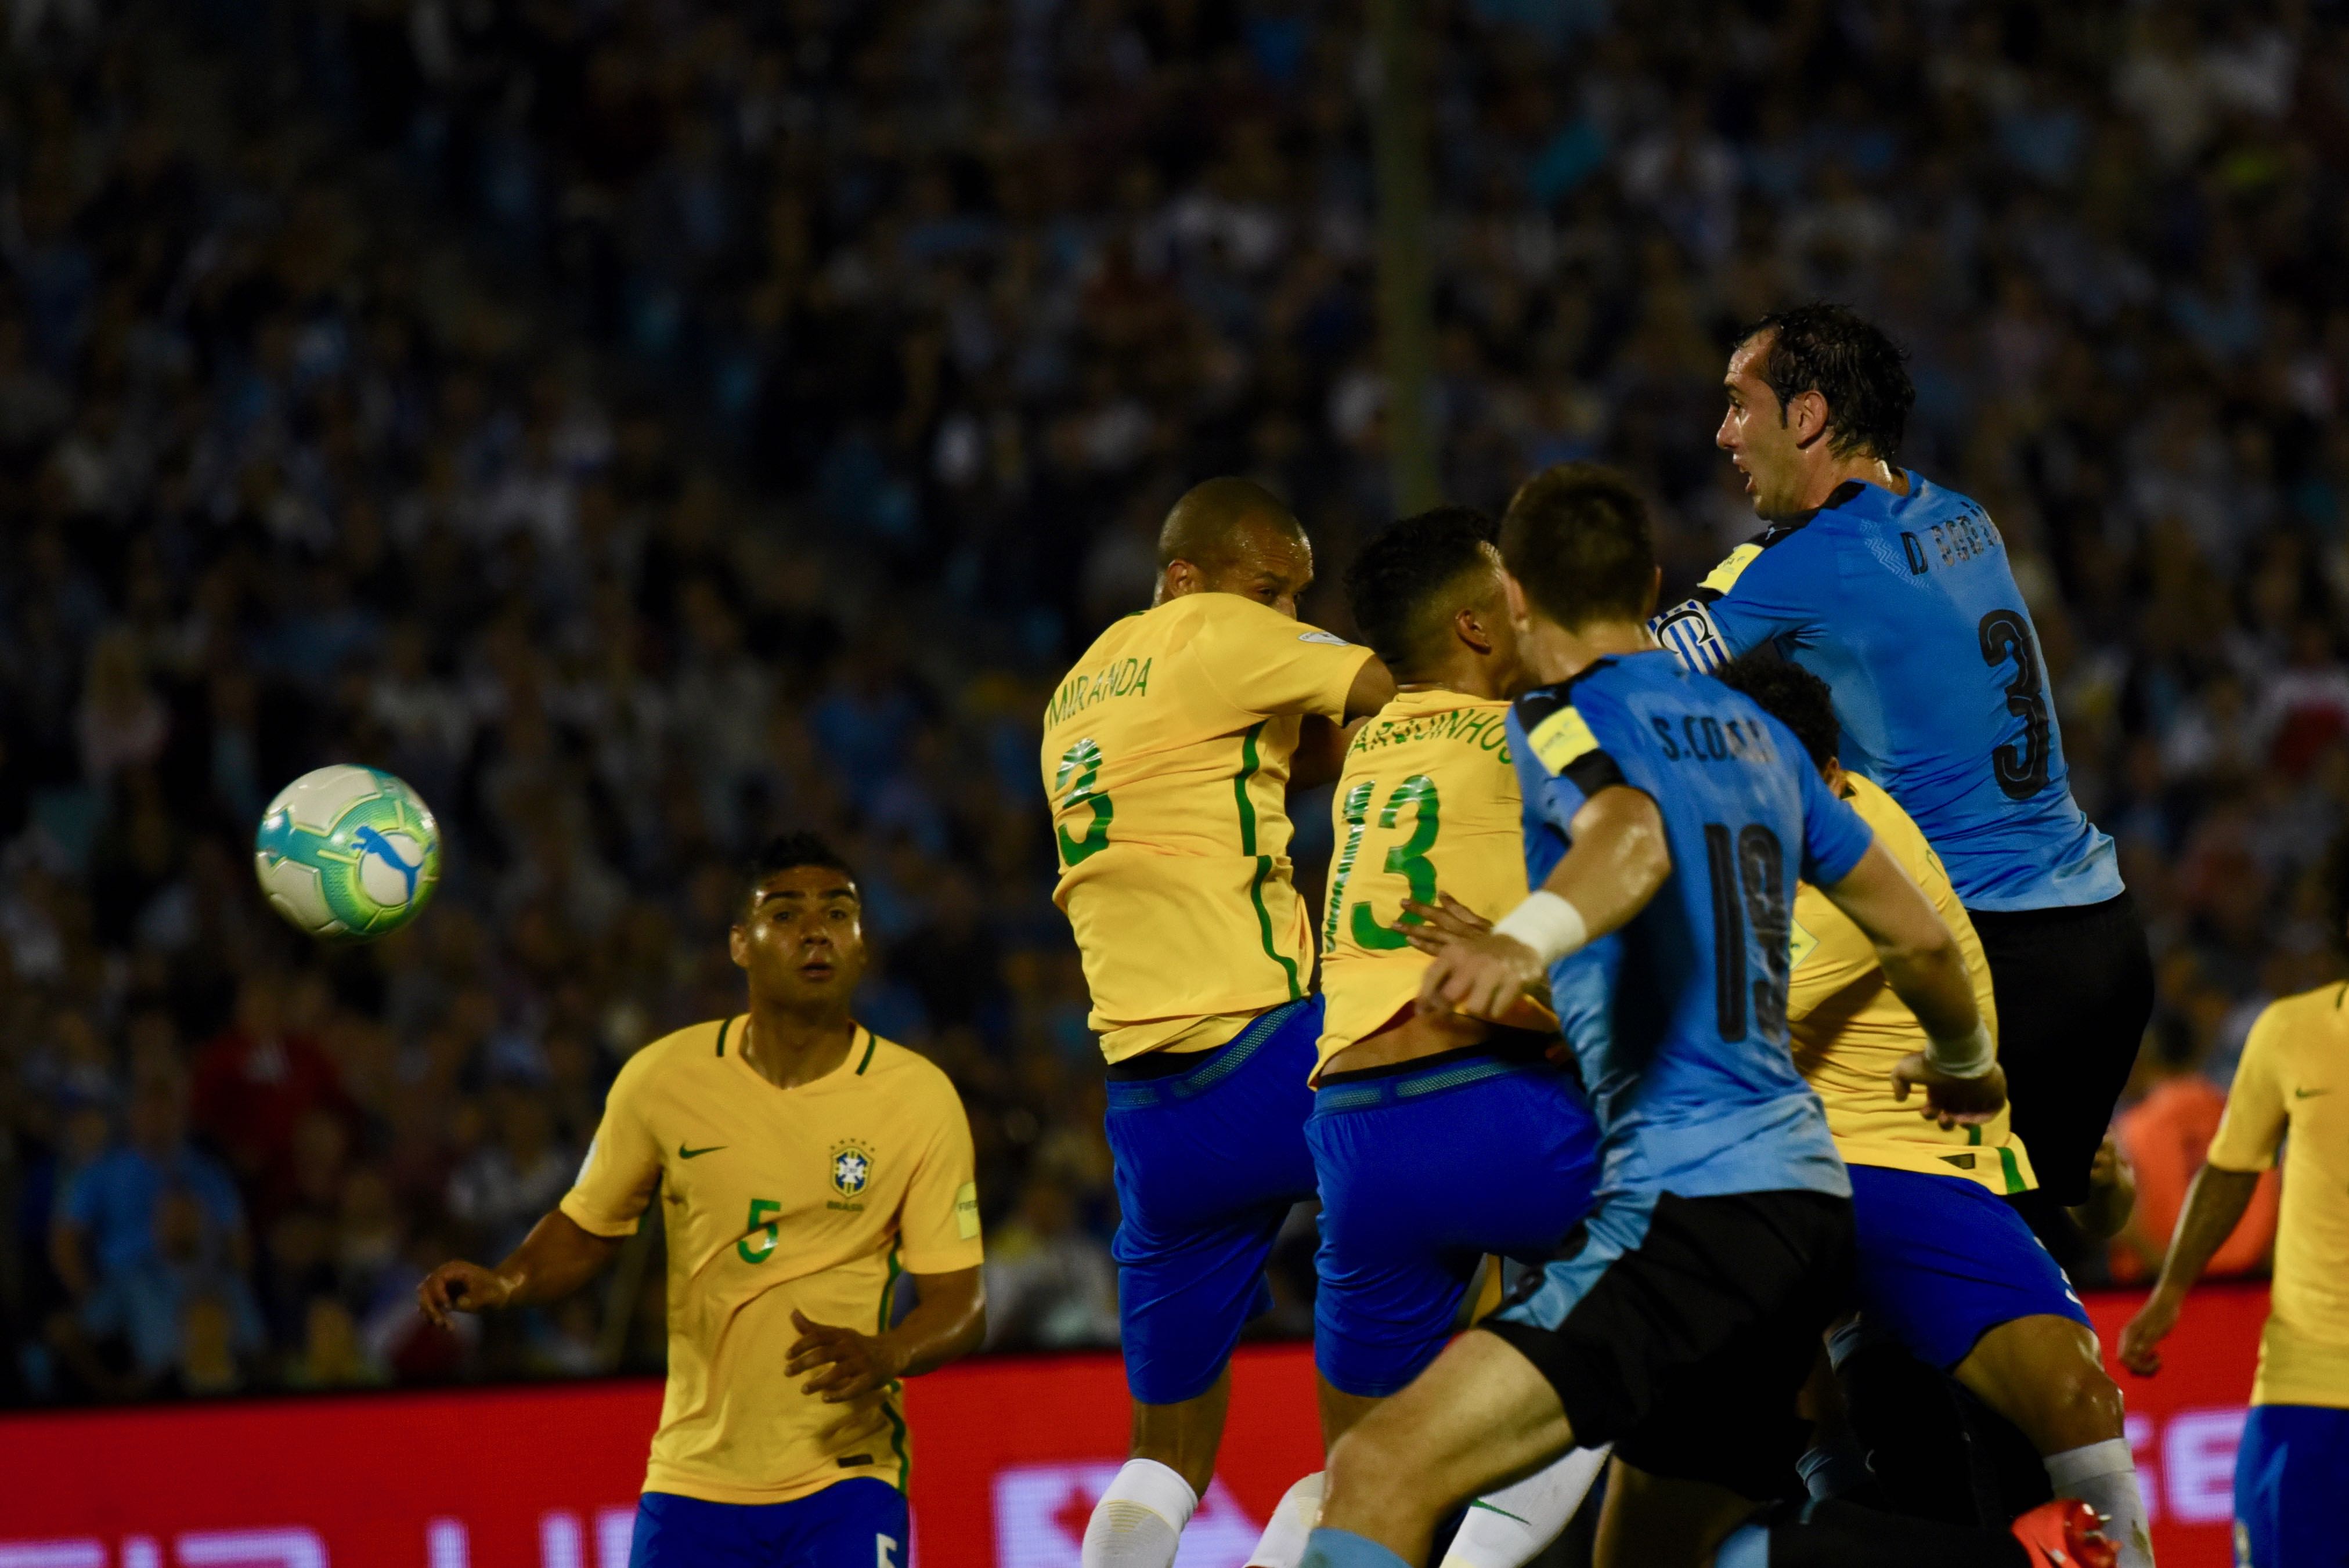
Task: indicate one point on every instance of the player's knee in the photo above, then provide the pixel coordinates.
(1370, 1461)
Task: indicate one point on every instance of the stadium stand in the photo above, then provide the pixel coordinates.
(644, 426)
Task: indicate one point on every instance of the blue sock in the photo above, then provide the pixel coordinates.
(1326, 1548)
(1748, 1546)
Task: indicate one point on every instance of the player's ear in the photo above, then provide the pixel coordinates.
(738, 946)
(1806, 416)
(1468, 625)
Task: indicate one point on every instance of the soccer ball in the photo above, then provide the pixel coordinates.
(346, 853)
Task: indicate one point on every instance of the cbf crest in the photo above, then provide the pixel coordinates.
(851, 1169)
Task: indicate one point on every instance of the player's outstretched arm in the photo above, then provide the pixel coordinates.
(1927, 970)
(2214, 1205)
(1617, 860)
(949, 1320)
(556, 1258)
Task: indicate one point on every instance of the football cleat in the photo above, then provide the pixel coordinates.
(2066, 1533)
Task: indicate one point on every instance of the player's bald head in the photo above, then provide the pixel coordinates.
(1233, 536)
(1217, 518)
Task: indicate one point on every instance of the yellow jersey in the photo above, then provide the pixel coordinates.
(1428, 801)
(2292, 1088)
(814, 1198)
(1166, 755)
(1849, 1029)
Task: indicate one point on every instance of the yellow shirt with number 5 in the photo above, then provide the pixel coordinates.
(813, 1198)
(1166, 754)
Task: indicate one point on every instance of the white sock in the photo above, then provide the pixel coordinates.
(2103, 1476)
(1139, 1520)
(1293, 1518)
(1506, 1529)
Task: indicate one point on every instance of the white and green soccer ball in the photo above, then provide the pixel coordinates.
(346, 853)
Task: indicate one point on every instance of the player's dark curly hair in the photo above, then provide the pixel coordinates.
(1847, 359)
(1398, 585)
(1791, 694)
(788, 852)
(1577, 540)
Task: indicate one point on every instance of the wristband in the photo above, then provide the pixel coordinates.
(1966, 1056)
(1549, 924)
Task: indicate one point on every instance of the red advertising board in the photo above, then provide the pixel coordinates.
(1008, 1455)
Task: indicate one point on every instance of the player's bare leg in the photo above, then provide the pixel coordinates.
(1138, 1521)
(2043, 1374)
(1480, 1415)
(1503, 1529)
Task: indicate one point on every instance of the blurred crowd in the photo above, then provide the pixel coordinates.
(645, 425)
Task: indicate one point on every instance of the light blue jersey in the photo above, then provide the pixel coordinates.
(1906, 606)
(1679, 1019)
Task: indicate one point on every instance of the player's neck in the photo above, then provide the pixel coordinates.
(1553, 654)
(789, 1048)
(1838, 471)
(1469, 677)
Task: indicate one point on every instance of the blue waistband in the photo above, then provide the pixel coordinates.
(1214, 1065)
(1369, 1093)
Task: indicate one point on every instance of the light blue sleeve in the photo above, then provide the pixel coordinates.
(1771, 585)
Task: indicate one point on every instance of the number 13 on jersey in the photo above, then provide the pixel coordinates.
(1414, 801)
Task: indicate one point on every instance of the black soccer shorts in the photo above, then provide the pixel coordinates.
(1686, 1342)
(2075, 989)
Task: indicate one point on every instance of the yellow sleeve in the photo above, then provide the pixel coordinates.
(623, 1166)
(1261, 662)
(2254, 1121)
(938, 1228)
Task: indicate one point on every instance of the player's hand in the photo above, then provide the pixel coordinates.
(460, 1287)
(1441, 924)
(847, 1365)
(1480, 976)
(2140, 1339)
(1951, 1101)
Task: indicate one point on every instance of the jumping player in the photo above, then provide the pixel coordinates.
(1947, 1270)
(806, 1166)
(1899, 596)
(1666, 821)
(1429, 798)
(1167, 756)
(2291, 1089)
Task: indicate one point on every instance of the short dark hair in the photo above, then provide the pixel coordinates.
(1400, 577)
(1847, 359)
(787, 852)
(1794, 696)
(1577, 540)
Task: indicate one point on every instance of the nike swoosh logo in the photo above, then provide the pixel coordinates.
(685, 1153)
(2308, 1093)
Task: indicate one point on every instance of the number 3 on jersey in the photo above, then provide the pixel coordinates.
(1408, 860)
(1074, 784)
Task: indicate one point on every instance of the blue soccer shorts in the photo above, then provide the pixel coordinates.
(856, 1523)
(1424, 1167)
(1211, 1156)
(1942, 1261)
(2292, 1505)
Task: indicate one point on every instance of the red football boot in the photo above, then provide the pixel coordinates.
(2066, 1533)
